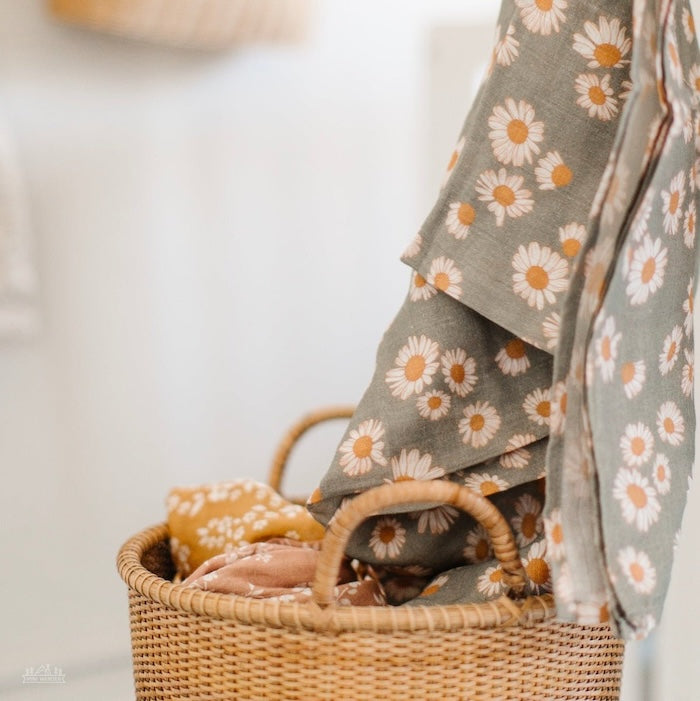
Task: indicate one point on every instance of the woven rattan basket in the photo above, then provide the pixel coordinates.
(190, 644)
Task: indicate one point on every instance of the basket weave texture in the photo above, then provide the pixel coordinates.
(191, 644)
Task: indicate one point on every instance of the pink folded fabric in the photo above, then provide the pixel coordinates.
(282, 569)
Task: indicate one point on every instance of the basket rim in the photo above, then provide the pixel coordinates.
(294, 615)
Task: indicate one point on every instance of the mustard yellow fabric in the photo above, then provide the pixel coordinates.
(210, 519)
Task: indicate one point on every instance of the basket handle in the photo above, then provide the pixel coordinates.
(290, 439)
(371, 502)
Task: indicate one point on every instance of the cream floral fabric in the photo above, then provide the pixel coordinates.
(547, 330)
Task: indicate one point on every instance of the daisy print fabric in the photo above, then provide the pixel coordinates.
(543, 355)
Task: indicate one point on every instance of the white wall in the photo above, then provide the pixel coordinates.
(218, 242)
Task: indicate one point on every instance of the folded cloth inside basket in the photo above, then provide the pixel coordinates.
(210, 519)
(282, 569)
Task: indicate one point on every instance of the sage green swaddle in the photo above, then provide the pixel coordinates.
(547, 330)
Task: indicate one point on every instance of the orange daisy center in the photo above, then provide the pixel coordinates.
(637, 572)
(627, 372)
(442, 281)
(571, 247)
(538, 570)
(543, 408)
(414, 368)
(515, 349)
(669, 426)
(386, 534)
(466, 214)
(517, 131)
(637, 445)
(434, 402)
(637, 495)
(457, 373)
(362, 447)
(477, 422)
(596, 95)
(607, 55)
(419, 280)
(648, 270)
(561, 175)
(537, 277)
(504, 195)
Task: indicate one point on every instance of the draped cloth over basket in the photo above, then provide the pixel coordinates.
(548, 328)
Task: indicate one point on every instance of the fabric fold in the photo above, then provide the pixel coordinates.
(550, 316)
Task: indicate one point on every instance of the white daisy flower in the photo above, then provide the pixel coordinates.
(459, 219)
(478, 548)
(453, 160)
(515, 455)
(362, 450)
(637, 499)
(596, 96)
(485, 484)
(605, 44)
(540, 272)
(673, 203)
(550, 329)
(542, 16)
(670, 423)
(571, 238)
(434, 405)
(388, 537)
(411, 465)
(689, 224)
(537, 568)
(416, 363)
(491, 583)
(646, 270)
(661, 474)
(688, 24)
(537, 406)
(506, 49)
(554, 534)
(413, 248)
(514, 132)
(512, 358)
(558, 399)
(420, 289)
(445, 276)
(527, 523)
(633, 374)
(636, 443)
(480, 424)
(688, 373)
(688, 304)
(504, 194)
(437, 520)
(671, 348)
(638, 569)
(552, 172)
(459, 371)
(606, 347)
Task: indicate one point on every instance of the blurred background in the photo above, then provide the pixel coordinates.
(199, 247)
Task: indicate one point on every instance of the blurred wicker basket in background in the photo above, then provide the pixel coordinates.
(198, 24)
